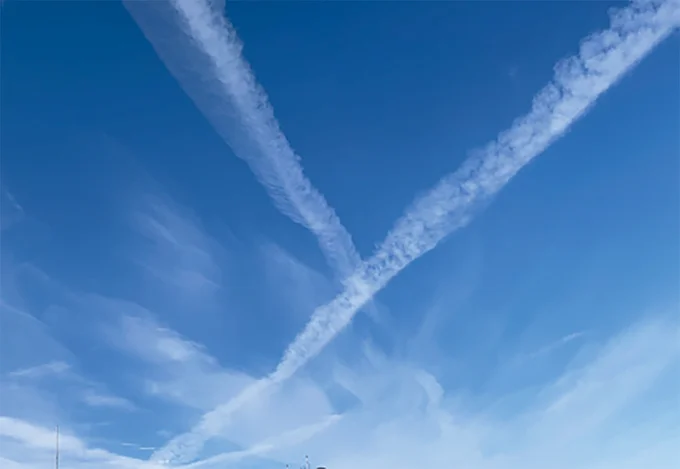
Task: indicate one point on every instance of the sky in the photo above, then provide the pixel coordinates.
(380, 234)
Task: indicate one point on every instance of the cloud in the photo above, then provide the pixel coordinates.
(216, 76)
(295, 283)
(178, 369)
(602, 60)
(40, 371)
(98, 399)
(137, 447)
(180, 253)
(607, 409)
(49, 387)
(564, 340)
(277, 443)
(185, 373)
(89, 392)
(600, 412)
(29, 446)
(11, 212)
(177, 375)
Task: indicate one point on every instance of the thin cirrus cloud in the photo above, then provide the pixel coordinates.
(34, 445)
(89, 392)
(179, 370)
(408, 420)
(183, 373)
(40, 371)
(177, 236)
(579, 81)
(178, 373)
(10, 211)
(94, 398)
(209, 65)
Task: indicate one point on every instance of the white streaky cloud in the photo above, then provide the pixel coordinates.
(36, 436)
(183, 372)
(602, 60)
(27, 343)
(609, 412)
(153, 342)
(601, 412)
(179, 370)
(277, 443)
(137, 447)
(181, 254)
(296, 286)
(90, 395)
(39, 392)
(551, 347)
(220, 81)
(98, 399)
(40, 371)
(30, 446)
(10, 211)
(8, 463)
(88, 389)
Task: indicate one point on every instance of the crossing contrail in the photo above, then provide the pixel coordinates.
(603, 59)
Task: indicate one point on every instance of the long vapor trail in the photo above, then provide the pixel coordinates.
(200, 47)
(602, 60)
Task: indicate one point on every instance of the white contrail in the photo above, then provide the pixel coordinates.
(602, 60)
(210, 66)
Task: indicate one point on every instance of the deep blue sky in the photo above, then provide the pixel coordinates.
(380, 100)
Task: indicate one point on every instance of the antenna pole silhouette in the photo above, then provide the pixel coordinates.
(56, 454)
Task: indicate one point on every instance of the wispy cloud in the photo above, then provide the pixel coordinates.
(95, 398)
(137, 447)
(180, 370)
(89, 392)
(29, 446)
(293, 281)
(580, 420)
(181, 254)
(11, 212)
(588, 417)
(276, 443)
(53, 384)
(39, 371)
(564, 340)
(603, 59)
(240, 111)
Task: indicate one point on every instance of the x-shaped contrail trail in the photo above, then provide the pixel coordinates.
(250, 125)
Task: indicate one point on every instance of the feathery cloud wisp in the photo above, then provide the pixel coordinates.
(90, 391)
(181, 253)
(98, 399)
(10, 210)
(578, 81)
(38, 371)
(241, 113)
(286, 439)
(33, 445)
(609, 411)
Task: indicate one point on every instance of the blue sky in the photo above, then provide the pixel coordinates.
(381, 234)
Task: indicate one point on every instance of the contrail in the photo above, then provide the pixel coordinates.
(212, 70)
(602, 60)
